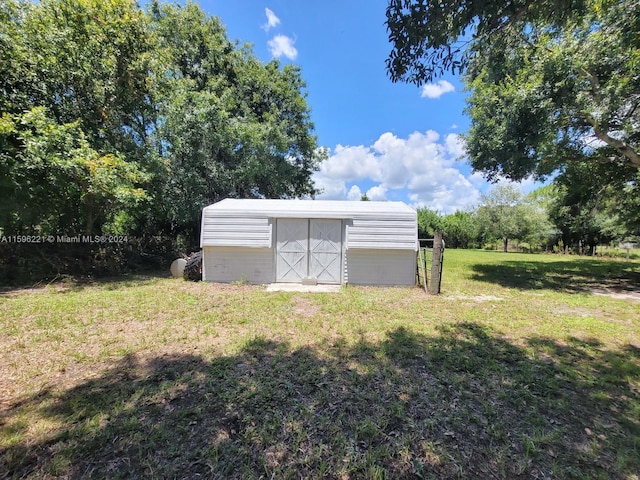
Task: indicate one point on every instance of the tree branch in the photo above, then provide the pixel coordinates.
(619, 145)
(601, 133)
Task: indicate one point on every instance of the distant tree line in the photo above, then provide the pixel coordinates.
(551, 218)
(116, 120)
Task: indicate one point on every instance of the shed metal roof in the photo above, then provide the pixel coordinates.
(310, 208)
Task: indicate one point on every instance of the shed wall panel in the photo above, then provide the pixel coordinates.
(377, 233)
(232, 264)
(381, 267)
(219, 231)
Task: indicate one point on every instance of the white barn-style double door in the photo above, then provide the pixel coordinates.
(308, 248)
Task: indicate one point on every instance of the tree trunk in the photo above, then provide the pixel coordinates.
(505, 244)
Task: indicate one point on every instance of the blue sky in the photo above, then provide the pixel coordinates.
(390, 141)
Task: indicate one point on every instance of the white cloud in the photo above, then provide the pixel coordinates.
(272, 20)
(330, 189)
(436, 90)
(356, 163)
(377, 193)
(354, 193)
(281, 45)
(455, 145)
(420, 167)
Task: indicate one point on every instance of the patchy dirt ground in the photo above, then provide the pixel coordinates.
(628, 293)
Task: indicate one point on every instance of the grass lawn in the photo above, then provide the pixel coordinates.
(527, 366)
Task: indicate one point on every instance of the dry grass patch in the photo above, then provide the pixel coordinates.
(304, 306)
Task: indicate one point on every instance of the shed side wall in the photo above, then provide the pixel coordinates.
(380, 233)
(233, 264)
(381, 267)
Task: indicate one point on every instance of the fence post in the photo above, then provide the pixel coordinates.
(436, 264)
(422, 266)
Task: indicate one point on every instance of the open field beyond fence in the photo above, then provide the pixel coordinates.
(527, 366)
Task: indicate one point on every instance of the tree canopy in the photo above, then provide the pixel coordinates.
(551, 82)
(75, 94)
(432, 37)
(591, 205)
(115, 119)
(505, 214)
(232, 126)
(554, 86)
(553, 97)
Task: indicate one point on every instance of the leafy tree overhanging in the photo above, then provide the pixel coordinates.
(554, 85)
(551, 82)
(114, 119)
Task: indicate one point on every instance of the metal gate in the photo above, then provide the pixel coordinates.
(308, 248)
(430, 262)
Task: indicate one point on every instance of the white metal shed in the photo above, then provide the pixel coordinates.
(333, 242)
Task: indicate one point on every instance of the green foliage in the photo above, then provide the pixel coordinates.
(117, 120)
(54, 182)
(552, 83)
(588, 205)
(233, 126)
(500, 214)
(86, 60)
(430, 37)
(429, 222)
(545, 97)
(79, 96)
(461, 230)
(592, 205)
(505, 215)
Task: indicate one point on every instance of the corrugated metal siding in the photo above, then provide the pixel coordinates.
(219, 230)
(345, 265)
(381, 267)
(232, 264)
(377, 233)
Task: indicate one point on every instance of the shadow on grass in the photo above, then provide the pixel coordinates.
(462, 404)
(576, 275)
(68, 283)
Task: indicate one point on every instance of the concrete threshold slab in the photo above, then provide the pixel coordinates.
(298, 287)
